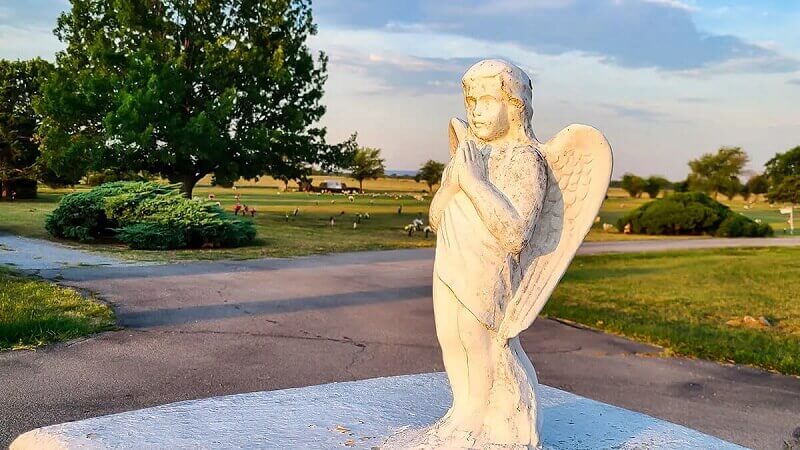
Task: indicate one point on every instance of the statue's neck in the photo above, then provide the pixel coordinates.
(506, 142)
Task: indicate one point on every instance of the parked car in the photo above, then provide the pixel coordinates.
(333, 186)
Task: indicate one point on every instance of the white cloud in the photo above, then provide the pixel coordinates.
(674, 4)
(28, 42)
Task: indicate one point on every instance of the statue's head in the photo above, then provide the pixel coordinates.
(499, 100)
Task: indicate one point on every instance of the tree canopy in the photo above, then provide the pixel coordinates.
(655, 184)
(366, 163)
(430, 173)
(719, 172)
(783, 165)
(757, 184)
(788, 190)
(633, 184)
(185, 88)
(19, 148)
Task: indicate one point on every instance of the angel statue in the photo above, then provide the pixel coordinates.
(510, 215)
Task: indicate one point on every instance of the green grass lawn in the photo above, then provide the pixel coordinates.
(310, 231)
(683, 301)
(34, 312)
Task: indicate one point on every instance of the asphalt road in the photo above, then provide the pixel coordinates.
(202, 329)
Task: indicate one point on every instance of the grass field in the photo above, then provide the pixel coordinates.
(692, 303)
(310, 231)
(35, 312)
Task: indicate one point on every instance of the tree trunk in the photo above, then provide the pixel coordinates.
(361, 186)
(187, 185)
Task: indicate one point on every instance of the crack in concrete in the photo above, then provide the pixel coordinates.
(343, 340)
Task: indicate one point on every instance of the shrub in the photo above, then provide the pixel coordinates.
(690, 213)
(152, 236)
(79, 216)
(147, 215)
(737, 225)
(85, 216)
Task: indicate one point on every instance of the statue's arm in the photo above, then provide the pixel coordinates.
(510, 216)
(443, 195)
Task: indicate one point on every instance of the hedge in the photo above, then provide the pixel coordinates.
(147, 215)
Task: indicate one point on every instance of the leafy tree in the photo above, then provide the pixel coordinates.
(783, 165)
(430, 173)
(745, 193)
(787, 191)
(184, 89)
(654, 184)
(757, 184)
(681, 186)
(19, 149)
(634, 185)
(733, 188)
(366, 163)
(718, 172)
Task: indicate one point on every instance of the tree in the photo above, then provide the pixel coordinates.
(184, 89)
(654, 184)
(757, 184)
(430, 173)
(19, 148)
(783, 165)
(787, 191)
(634, 185)
(681, 186)
(366, 163)
(718, 172)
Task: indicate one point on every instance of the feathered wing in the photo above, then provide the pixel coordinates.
(579, 170)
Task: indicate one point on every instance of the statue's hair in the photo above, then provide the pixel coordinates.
(515, 85)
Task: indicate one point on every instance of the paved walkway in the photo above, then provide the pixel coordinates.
(195, 330)
(37, 254)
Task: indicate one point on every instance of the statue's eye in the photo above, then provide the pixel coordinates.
(471, 102)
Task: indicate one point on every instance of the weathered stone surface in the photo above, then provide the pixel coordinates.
(359, 414)
(510, 215)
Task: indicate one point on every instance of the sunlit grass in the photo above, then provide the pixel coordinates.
(34, 312)
(684, 301)
(310, 231)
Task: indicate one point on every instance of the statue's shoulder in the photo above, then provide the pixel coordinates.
(529, 156)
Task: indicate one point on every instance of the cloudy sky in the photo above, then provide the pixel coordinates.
(665, 80)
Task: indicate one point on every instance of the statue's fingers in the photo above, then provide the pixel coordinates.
(471, 152)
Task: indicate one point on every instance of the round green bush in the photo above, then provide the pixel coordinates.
(152, 236)
(690, 213)
(147, 215)
(88, 215)
(737, 225)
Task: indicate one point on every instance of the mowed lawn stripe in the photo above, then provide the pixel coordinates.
(693, 303)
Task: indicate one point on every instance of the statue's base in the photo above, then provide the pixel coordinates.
(359, 414)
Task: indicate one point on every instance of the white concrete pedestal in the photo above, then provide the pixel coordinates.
(360, 414)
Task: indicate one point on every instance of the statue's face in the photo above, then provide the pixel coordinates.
(486, 111)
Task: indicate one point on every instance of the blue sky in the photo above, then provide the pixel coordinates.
(665, 80)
